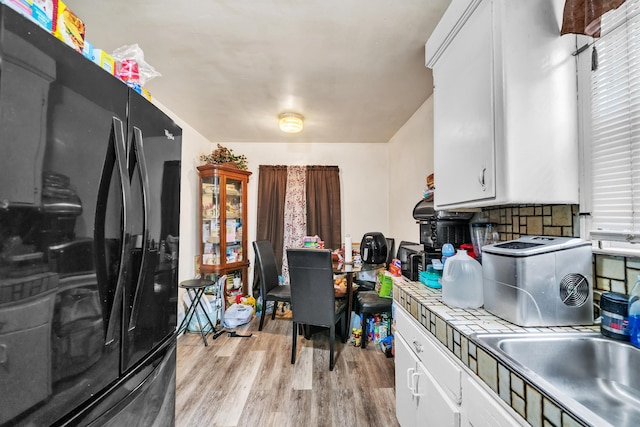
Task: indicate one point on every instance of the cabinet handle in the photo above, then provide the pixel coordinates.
(410, 372)
(481, 179)
(3, 354)
(414, 392)
(417, 345)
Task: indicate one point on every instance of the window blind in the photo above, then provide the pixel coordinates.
(615, 132)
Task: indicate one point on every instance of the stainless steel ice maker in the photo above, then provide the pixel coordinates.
(539, 281)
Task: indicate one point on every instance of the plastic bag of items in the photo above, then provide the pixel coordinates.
(131, 67)
(237, 314)
(199, 318)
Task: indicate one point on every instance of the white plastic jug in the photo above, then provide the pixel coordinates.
(462, 282)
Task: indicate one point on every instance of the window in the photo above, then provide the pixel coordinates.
(611, 156)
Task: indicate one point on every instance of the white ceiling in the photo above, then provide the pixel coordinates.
(353, 68)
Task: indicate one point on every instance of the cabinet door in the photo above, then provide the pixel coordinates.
(419, 398)
(210, 205)
(234, 250)
(434, 407)
(482, 410)
(464, 113)
(405, 366)
(444, 370)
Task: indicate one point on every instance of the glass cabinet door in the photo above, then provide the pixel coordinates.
(211, 243)
(233, 221)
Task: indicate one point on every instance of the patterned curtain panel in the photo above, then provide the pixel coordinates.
(295, 213)
(323, 204)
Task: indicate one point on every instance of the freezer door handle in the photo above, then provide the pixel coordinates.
(143, 176)
(115, 161)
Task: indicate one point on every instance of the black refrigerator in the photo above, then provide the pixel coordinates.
(89, 234)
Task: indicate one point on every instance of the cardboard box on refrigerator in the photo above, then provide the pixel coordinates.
(146, 94)
(38, 11)
(42, 13)
(87, 50)
(67, 26)
(21, 6)
(105, 61)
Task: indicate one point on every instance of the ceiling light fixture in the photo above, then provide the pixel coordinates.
(291, 122)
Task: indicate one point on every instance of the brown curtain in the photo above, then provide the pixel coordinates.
(583, 16)
(323, 204)
(272, 188)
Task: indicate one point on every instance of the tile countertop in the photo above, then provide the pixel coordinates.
(452, 327)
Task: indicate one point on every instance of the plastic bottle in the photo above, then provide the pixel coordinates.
(447, 252)
(462, 282)
(634, 314)
(348, 249)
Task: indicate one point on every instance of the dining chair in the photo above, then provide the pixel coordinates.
(368, 302)
(270, 288)
(391, 250)
(313, 300)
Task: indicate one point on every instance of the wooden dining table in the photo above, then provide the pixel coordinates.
(350, 270)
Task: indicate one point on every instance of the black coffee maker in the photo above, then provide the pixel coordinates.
(440, 227)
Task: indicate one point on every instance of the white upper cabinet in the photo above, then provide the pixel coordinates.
(505, 104)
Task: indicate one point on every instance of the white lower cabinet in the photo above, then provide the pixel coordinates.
(434, 389)
(428, 382)
(420, 401)
(481, 409)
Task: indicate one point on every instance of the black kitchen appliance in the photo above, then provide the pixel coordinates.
(413, 259)
(373, 248)
(440, 227)
(89, 192)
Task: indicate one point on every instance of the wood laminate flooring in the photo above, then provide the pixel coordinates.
(251, 381)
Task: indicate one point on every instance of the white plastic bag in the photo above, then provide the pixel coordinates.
(194, 326)
(133, 51)
(237, 314)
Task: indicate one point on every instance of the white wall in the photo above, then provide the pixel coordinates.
(411, 160)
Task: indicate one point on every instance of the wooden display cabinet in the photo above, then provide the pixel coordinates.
(223, 224)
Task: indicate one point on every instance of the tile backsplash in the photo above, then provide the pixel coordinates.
(545, 220)
(611, 273)
(615, 273)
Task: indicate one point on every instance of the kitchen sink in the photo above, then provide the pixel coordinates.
(594, 377)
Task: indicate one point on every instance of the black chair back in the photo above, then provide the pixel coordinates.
(391, 250)
(267, 266)
(311, 280)
(268, 273)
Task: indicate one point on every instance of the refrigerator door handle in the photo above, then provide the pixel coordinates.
(116, 160)
(144, 264)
